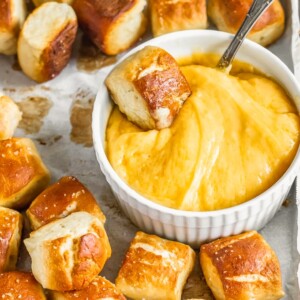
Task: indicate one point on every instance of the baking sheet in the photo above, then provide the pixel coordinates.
(57, 116)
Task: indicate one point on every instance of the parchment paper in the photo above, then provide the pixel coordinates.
(57, 116)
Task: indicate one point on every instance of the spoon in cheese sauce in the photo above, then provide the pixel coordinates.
(256, 10)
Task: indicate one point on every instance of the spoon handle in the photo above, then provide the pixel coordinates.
(256, 10)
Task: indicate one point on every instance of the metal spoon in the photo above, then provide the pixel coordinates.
(256, 10)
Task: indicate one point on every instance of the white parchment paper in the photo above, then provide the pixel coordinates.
(57, 118)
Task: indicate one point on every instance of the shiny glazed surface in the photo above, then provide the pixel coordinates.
(233, 138)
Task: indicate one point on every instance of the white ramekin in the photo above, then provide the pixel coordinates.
(196, 227)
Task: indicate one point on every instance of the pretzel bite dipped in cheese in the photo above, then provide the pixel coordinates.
(99, 289)
(168, 16)
(46, 39)
(241, 267)
(59, 200)
(20, 285)
(149, 88)
(10, 236)
(23, 174)
(10, 116)
(228, 16)
(12, 17)
(67, 254)
(113, 26)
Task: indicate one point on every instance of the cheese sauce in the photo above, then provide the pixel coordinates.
(233, 138)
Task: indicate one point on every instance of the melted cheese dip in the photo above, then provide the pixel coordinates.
(233, 138)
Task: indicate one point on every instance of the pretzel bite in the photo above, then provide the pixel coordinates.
(10, 237)
(149, 88)
(20, 285)
(99, 289)
(155, 268)
(67, 254)
(59, 200)
(241, 267)
(113, 26)
(168, 16)
(12, 17)
(23, 174)
(10, 116)
(46, 39)
(228, 16)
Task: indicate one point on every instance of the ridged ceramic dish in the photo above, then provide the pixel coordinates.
(196, 227)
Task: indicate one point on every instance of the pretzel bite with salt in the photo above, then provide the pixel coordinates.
(241, 267)
(155, 268)
(23, 174)
(99, 289)
(67, 254)
(59, 200)
(20, 285)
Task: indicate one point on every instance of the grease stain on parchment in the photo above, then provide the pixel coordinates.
(90, 58)
(34, 110)
(49, 140)
(81, 119)
(26, 90)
